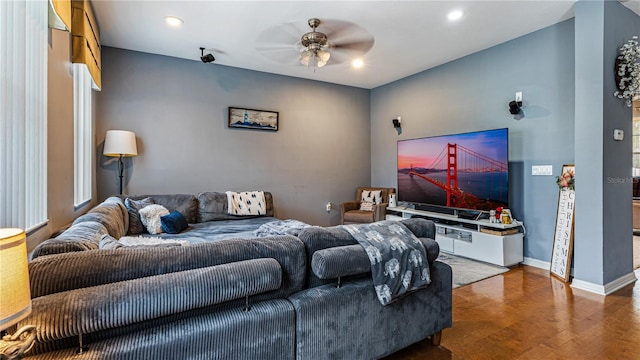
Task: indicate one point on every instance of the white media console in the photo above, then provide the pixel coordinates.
(474, 239)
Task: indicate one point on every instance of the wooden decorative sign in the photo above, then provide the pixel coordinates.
(563, 239)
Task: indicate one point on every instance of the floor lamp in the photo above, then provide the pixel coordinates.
(15, 297)
(120, 143)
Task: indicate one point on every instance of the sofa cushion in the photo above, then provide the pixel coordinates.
(80, 237)
(111, 214)
(133, 207)
(174, 223)
(150, 217)
(317, 238)
(111, 305)
(348, 260)
(187, 204)
(62, 272)
(213, 206)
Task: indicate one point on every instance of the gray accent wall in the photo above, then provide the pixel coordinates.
(603, 227)
(471, 94)
(178, 110)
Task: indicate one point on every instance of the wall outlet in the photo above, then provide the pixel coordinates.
(519, 96)
(546, 170)
(329, 206)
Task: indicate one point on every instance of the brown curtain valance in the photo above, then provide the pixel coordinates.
(60, 14)
(86, 39)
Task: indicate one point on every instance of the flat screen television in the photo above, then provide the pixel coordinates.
(460, 171)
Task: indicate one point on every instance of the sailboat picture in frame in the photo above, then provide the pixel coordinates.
(253, 119)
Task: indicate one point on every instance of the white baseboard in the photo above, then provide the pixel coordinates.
(605, 289)
(537, 263)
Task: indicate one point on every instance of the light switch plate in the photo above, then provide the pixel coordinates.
(618, 135)
(546, 170)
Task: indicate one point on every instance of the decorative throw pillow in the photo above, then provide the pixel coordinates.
(133, 206)
(150, 217)
(174, 223)
(375, 196)
(366, 206)
(246, 203)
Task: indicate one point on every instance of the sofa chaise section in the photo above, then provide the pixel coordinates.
(339, 315)
(147, 298)
(348, 322)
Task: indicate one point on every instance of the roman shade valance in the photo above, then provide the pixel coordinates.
(60, 14)
(86, 40)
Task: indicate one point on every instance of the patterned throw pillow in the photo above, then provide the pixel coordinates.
(366, 206)
(375, 196)
(150, 217)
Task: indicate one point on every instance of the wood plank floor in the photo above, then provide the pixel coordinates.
(527, 314)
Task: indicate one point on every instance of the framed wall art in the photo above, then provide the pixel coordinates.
(253, 119)
(563, 239)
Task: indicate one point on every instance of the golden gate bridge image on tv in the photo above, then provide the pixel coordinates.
(460, 164)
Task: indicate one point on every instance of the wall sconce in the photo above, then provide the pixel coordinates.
(120, 143)
(397, 124)
(15, 296)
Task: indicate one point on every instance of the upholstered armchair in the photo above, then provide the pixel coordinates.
(351, 213)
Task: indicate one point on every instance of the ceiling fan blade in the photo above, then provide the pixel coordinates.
(284, 54)
(287, 33)
(358, 46)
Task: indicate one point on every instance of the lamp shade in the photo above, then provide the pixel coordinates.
(120, 142)
(15, 295)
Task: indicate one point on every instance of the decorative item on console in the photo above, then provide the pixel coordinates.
(392, 200)
(505, 216)
(567, 180)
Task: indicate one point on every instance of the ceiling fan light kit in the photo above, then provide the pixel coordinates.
(315, 43)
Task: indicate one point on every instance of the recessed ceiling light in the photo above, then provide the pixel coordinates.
(173, 21)
(357, 63)
(455, 15)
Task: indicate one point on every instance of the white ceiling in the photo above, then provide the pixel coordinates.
(410, 36)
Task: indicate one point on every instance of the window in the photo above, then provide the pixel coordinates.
(82, 131)
(23, 113)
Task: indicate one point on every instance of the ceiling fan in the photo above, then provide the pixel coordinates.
(339, 41)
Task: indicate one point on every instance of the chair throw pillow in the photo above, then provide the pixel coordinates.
(174, 223)
(366, 206)
(150, 216)
(133, 206)
(374, 196)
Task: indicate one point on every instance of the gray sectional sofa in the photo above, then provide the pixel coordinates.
(235, 296)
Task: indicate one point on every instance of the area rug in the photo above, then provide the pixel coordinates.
(467, 271)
